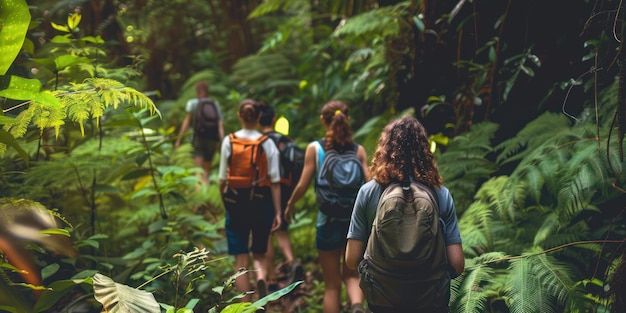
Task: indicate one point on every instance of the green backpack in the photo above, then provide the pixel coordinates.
(406, 266)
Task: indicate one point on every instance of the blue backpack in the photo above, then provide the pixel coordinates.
(339, 177)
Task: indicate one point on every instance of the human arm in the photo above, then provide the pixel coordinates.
(224, 155)
(308, 170)
(354, 253)
(275, 189)
(220, 129)
(183, 129)
(363, 157)
(456, 258)
(452, 234)
(361, 223)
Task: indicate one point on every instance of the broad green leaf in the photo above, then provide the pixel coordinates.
(11, 300)
(61, 39)
(118, 298)
(276, 295)
(14, 21)
(19, 88)
(7, 139)
(67, 60)
(56, 291)
(93, 39)
(243, 307)
(49, 270)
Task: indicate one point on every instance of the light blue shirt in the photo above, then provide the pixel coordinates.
(365, 211)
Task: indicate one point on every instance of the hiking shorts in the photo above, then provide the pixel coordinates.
(204, 148)
(332, 235)
(248, 221)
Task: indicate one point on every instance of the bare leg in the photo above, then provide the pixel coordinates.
(242, 283)
(206, 169)
(351, 279)
(260, 265)
(329, 260)
(269, 256)
(285, 245)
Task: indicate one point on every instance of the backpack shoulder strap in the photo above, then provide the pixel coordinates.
(320, 153)
(431, 192)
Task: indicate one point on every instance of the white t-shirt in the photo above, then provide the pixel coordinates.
(191, 105)
(273, 167)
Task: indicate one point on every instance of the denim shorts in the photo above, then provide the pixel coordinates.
(332, 234)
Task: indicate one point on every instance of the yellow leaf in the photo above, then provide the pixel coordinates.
(73, 20)
(58, 27)
(282, 125)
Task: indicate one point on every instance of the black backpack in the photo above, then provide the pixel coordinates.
(206, 120)
(406, 265)
(291, 158)
(339, 178)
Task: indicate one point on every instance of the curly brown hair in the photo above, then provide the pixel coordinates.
(403, 149)
(339, 133)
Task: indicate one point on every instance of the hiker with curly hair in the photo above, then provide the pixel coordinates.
(419, 281)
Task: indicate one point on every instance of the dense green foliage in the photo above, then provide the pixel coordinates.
(92, 102)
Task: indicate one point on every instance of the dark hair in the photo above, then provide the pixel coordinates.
(403, 149)
(202, 89)
(338, 133)
(267, 114)
(249, 111)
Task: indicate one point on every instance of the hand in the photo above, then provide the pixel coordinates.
(276, 223)
(290, 213)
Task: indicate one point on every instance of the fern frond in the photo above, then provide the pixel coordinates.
(383, 22)
(270, 6)
(476, 225)
(548, 228)
(49, 115)
(94, 95)
(540, 283)
(465, 162)
(523, 288)
(533, 135)
(556, 278)
(22, 120)
(469, 293)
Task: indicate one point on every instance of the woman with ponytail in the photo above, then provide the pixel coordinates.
(252, 210)
(402, 155)
(330, 239)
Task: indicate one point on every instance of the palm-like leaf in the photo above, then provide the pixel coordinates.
(118, 298)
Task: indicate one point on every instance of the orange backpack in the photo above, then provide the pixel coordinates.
(247, 164)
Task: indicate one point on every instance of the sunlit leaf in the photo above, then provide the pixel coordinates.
(58, 27)
(73, 20)
(14, 21)
(118, 298)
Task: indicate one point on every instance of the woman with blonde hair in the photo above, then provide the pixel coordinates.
(330, 239)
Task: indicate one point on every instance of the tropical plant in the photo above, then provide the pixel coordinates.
(531, 237)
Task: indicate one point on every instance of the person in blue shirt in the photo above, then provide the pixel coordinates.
(403, 142)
